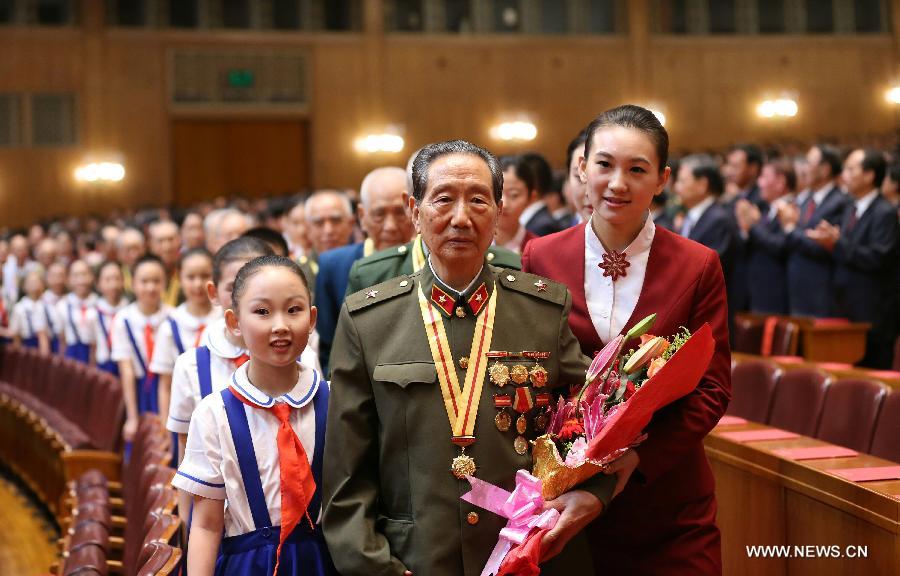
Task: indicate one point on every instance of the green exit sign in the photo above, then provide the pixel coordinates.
(240, 78)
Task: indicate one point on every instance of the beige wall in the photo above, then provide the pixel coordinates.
(437, 87)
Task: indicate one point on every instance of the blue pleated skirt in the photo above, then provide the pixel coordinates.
(80, 352)
(148, 394)
(30, 342)
(303, 554)
(110, 366)
(54, 345)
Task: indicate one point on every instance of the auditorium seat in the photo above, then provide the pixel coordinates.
(159, 559)
(748, 334)
(850, 413)
(752, 385)
(785, 338)
(798, 399)
(92, 512)
(85, 561)
(886, 439)
(87, 533)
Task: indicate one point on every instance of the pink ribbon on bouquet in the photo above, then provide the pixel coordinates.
(523, 508)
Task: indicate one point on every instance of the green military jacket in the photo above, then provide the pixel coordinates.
(391, 502)
(310, 266)
(398, 260)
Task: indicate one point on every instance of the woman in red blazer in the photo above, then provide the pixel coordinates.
(620, 268)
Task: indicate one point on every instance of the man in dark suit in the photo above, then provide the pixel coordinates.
(766, 241)
(810, 267)
(386, 222)
(533, 172)
(741, 170)
(865, 253)
(699, 185)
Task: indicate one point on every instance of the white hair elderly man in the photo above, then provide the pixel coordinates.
(223, 225)
(386, 222)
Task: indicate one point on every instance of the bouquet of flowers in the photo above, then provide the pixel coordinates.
(620, 393)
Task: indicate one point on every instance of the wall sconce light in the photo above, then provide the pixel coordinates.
(389, 142)
(785, 107)
(100, 172)
(659, 115)
(519, 130)
(893, 95)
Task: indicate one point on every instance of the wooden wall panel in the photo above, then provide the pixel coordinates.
(436, 87)
(235, 157)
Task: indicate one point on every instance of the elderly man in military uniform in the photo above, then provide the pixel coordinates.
(444, 373)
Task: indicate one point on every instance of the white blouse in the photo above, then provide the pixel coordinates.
(610, 304)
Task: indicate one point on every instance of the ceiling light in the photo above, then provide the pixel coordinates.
(520, 130)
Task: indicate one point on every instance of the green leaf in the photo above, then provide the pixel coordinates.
(641, 327)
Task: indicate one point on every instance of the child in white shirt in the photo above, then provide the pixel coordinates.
(134, 334)
(75, 311)
(184, 327)
(110, 284)
(29, 324)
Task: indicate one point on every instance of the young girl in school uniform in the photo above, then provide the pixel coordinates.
(56, 290)
(29, 324)
(74, 312)
(254, 451)
(185, 326)
(111, 286)
(208, 368)
(134, 333)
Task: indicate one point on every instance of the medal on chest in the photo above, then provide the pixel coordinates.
(460, 402)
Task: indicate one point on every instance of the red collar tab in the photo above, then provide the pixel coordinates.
(478, 299)
(442, 300)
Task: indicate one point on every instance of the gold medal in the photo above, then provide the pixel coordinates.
(540, 421)
(519, 374)
(521, 424)
(460, 312)
(463, 465)
(538, 376)
(503, 420)
(499, 374)
(521, 445)
(464, 362)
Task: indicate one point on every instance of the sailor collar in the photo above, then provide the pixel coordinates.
(300, 395)
(214, 338)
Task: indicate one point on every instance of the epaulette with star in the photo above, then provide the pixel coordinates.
(533, 285)
(379, 293)
(386, 254)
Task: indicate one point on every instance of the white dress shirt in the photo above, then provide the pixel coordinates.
(863, 203)
(610, 304)
(694, 214)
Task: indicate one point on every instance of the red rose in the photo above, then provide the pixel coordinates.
(570, 429)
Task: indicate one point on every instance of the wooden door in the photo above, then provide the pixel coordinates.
(250, 158)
